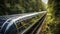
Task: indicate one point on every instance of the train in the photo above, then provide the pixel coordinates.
(19, 23)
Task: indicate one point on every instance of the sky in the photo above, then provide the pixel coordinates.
(45, 1)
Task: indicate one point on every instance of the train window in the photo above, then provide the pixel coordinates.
(18, 24)
(23, 23)
(26, 23)
(13, 31)
(1, 22)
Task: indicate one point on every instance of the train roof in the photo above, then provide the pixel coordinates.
(19, 16)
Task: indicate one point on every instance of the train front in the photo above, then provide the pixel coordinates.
(7, 26)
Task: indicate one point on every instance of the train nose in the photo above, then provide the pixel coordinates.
(0, 30)
(2, 20)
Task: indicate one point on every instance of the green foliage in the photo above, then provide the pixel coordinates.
(53, 22)
(20, 6)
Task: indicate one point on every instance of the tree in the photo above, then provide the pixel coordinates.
(20, 6)
(54, 12)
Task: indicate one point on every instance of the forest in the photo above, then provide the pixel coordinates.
(8, 7)
(52, 20)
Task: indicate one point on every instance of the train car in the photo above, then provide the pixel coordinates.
(19, 23)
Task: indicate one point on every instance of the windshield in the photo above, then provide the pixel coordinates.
(2, 20)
